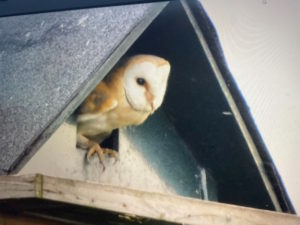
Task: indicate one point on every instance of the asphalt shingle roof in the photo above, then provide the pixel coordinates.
(49, 62)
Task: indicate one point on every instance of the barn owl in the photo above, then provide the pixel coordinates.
(126, 96)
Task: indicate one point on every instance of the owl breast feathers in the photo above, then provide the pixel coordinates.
(127, 96)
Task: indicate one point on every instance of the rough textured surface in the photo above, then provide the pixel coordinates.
(132, 170)
(146, 160)
(44, 61)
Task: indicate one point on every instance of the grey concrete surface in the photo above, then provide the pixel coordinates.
(59, 157)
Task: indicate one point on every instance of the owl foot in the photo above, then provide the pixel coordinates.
(111, 153)
(95, 148)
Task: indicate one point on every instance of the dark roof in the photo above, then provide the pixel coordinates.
(49, 62)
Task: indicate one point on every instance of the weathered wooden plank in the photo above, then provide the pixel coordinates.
(17, 186)
(145, 204)
(158, 206)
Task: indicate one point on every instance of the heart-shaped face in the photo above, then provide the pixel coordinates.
(145, 82)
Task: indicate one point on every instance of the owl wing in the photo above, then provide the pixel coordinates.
(101, 100)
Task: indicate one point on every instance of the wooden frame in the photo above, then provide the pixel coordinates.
(156, 206)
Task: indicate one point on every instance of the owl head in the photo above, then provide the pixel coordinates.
(145, 82)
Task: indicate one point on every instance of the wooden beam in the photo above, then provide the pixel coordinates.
(17, 186)
(143, 204)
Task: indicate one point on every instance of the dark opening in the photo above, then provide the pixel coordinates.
(51, 212)
(112, 141)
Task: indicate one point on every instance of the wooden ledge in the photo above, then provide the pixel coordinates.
(133, 202)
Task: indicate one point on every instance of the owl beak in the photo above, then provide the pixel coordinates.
(150, 99)
(152, 107)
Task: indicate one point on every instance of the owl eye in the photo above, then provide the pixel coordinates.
(140, 81)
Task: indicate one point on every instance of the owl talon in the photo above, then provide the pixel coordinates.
(93, 149)
(111, 153)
